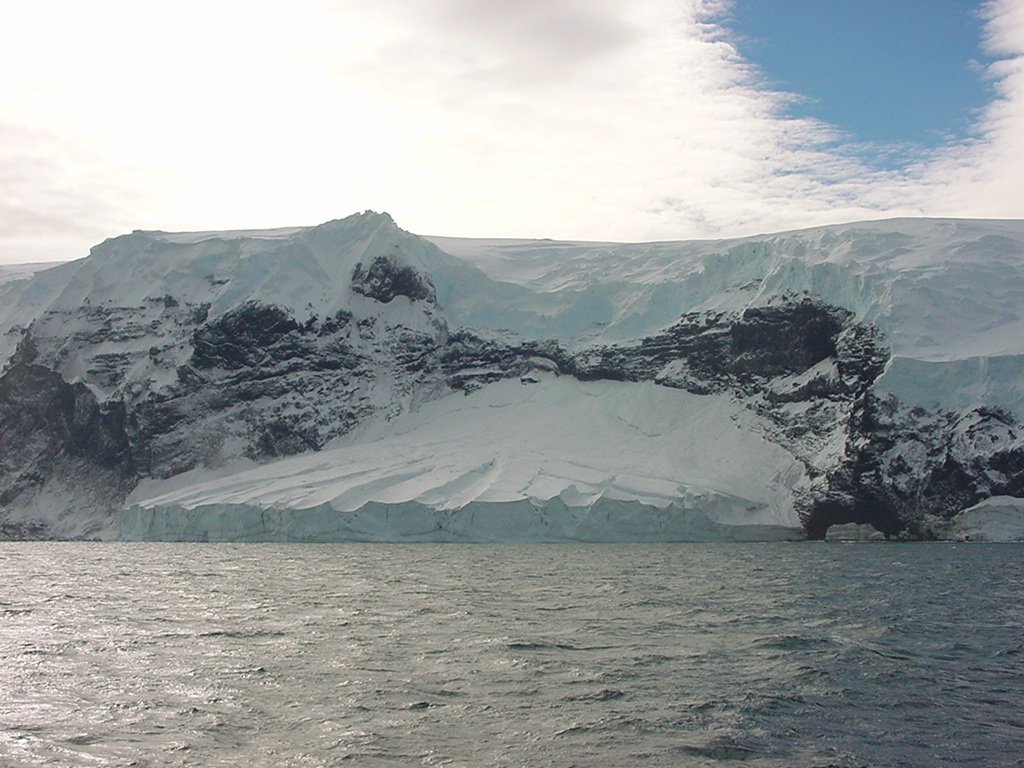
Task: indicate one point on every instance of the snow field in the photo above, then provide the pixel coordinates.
(557, 447)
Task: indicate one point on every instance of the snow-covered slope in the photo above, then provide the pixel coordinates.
(353, 380)
(552, 459)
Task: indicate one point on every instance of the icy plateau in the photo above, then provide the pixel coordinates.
(353, 381)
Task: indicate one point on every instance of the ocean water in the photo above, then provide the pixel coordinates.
(806, 654)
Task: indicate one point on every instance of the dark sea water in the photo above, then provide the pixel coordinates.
(258, 655)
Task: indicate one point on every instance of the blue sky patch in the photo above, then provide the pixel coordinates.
(891, 72)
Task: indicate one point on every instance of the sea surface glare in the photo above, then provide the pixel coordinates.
(558, 655)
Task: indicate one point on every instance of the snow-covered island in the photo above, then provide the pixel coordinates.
(353, 381)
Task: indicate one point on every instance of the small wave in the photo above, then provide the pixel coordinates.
(653, 660)
(791, 642)
(448, 692)
(1014, 650)
(636, 724)
(247, 671)
(241, 634)
(83, 739)
(537, 645)
(721, 748)
(605, 694)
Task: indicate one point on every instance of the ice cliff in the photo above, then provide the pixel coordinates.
(356, 381)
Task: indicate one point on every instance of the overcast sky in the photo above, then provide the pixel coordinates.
(584, 119)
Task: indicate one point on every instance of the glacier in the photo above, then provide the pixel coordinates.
(354, 381)
(998, 518)
(549, 460)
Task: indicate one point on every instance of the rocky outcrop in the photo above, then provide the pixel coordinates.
(244, 337)
(907, 472)
(258, 384)
(716, 351)
(261, 385)
(388, 276)
(62, 452)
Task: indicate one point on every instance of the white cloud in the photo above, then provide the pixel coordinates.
(534, 118)
(982, 177)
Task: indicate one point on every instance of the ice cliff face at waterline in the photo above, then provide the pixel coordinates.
(356, 381)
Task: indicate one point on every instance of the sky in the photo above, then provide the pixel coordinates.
(568, 119)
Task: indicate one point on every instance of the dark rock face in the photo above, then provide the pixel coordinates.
(388, 277)
(264, 386)
(257, 378)
(240, 338)
(469, 361)
(774, 340)
(57, 440)
(706, 353)
(906, 471)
